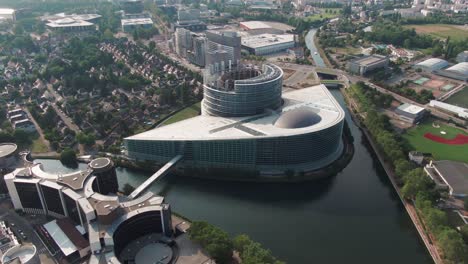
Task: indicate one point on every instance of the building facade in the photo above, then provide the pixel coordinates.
(366, 64)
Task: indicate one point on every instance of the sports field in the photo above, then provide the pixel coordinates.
(417, 141)
(455, 32)
(460, 98)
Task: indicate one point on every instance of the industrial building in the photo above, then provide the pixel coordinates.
(458, 72)
(266, 44)
(451, 175)
(7, 14)
(259, 27)
(410, 113)
(431, 65)
(453, 109)
(363, 65)
(89, 217)
(130, 24)
(249, 130)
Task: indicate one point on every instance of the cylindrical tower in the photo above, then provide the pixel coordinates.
(244, 91)
(106, 178)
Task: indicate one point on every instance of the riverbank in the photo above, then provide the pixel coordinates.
(410, 208)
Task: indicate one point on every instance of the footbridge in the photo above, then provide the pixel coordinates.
(159, 174)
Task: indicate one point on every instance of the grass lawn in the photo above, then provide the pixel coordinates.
(460, 98)
(186, 113)
(416, 140)
(323, 15)
(455, 32)
(38, 146)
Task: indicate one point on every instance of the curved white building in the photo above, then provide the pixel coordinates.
(250, 131)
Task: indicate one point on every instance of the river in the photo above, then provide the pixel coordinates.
(354, 217)
(309, 40)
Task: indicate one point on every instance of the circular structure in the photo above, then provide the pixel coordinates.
(156, 252)
(244, 92)
(23, 252)
(100, 164)
(298, 118)
(7, 154)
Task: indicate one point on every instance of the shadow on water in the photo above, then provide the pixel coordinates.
(256, 192)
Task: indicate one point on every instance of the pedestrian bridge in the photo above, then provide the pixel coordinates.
(159, 174)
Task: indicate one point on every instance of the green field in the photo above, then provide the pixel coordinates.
(324, 14)
(460, 98)
(186, 113)
(455, 32)
(416, 141)
(38, 146)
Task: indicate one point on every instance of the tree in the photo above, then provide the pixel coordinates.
(68, 157)
(415, 182)
(452, 244)
(128, 189)
(465, 203)
(241, 241)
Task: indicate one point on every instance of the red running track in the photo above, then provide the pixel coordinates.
(458, 140)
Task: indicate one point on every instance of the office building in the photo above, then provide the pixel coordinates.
(247, 129)
(363, 65)
(89, 217)
(410, 113)
(223, 50)
(71, 23)
(132, 6)
(131, 24)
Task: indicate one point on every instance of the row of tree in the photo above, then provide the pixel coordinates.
(220, 246)
(416, 185)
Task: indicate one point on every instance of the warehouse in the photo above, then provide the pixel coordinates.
(266, 44)
(432, 64)
(458, 72)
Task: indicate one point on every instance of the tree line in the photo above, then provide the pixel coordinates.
(416, 186)
(220, 246)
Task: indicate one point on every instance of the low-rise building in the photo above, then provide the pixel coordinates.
(416, 157)
(25, 124)
(266, 44)
(458, 72)
(410, 113)
(452, 175)
(363, 65)
(7, 14)
(453, 109)
(130, 24)
(431, 64)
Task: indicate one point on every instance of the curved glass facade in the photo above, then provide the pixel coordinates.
(317, 149)
(243, 97)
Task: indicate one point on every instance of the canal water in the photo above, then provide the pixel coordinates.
(354, 217)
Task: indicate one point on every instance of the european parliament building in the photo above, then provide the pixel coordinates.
(248, 128)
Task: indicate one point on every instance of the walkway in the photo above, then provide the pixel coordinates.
(159, 174)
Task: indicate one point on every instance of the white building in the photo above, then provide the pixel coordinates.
(457, 110)
(8, 14)
(431, 64)
(265, 44)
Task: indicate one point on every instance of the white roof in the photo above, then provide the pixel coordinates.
(410, 108)
(204, 127)
(460, 111)
(62, 240)
(265, 40)
(433, 63)
(68, 22)
(137, 21)
(461, 68)
(6, 11)
(255, 24)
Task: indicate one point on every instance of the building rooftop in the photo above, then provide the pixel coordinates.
(369, 60)
(68, 22)
(316, 99)
(460, 68)
(136, 21)
(6, 11)
(433, 63)
(6, 149)
(454, 173)
(410, 108)
(61, 239)
(265, 40)
(255, 25)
